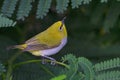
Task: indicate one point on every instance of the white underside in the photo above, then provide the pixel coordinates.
(52, 51)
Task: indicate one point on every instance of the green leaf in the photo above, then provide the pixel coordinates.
(109, 75)
(43, 8)
(86, 1)
(73, 73)
(6, 22)
(104, 1)
(60, 77)
(76, 3)
(87, 68)
(24, 9)
(61, 5)
(8, 7)
(109, 64)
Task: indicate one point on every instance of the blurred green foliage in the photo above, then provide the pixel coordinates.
(93, 32)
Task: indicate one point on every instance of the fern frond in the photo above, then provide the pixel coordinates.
(61, 5)
(43, 8)
(8, 7)
(113, 63)
(112, 16)
(24, 9)
(76, 3)
(2, 68)
(6, 22)
(86, 1)
(87, 67)
(73, 72)
(104, 1)
(77, 65)
(109, 75)
(69, 57)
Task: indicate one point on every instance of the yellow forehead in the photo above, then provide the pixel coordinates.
(57, 24)
(55, 28)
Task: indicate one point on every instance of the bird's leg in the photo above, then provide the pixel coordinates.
(52, 59)
(43, 60)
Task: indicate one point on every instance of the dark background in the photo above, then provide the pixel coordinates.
(93, 31)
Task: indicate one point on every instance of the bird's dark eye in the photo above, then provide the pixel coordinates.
(61, 27)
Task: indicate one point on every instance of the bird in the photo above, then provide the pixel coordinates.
(46, 43)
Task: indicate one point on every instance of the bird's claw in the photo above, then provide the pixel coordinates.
(53, 62)
(43, 61)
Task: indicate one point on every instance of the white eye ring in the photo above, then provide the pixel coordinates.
(61, 28)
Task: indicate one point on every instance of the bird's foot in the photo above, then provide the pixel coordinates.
(43, 61)
(53, 61)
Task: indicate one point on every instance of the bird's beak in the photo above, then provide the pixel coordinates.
(63, 20)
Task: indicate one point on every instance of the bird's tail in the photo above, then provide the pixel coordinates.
(22, 46)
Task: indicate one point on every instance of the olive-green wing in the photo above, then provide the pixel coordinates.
(33, 44)
(32, 41)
